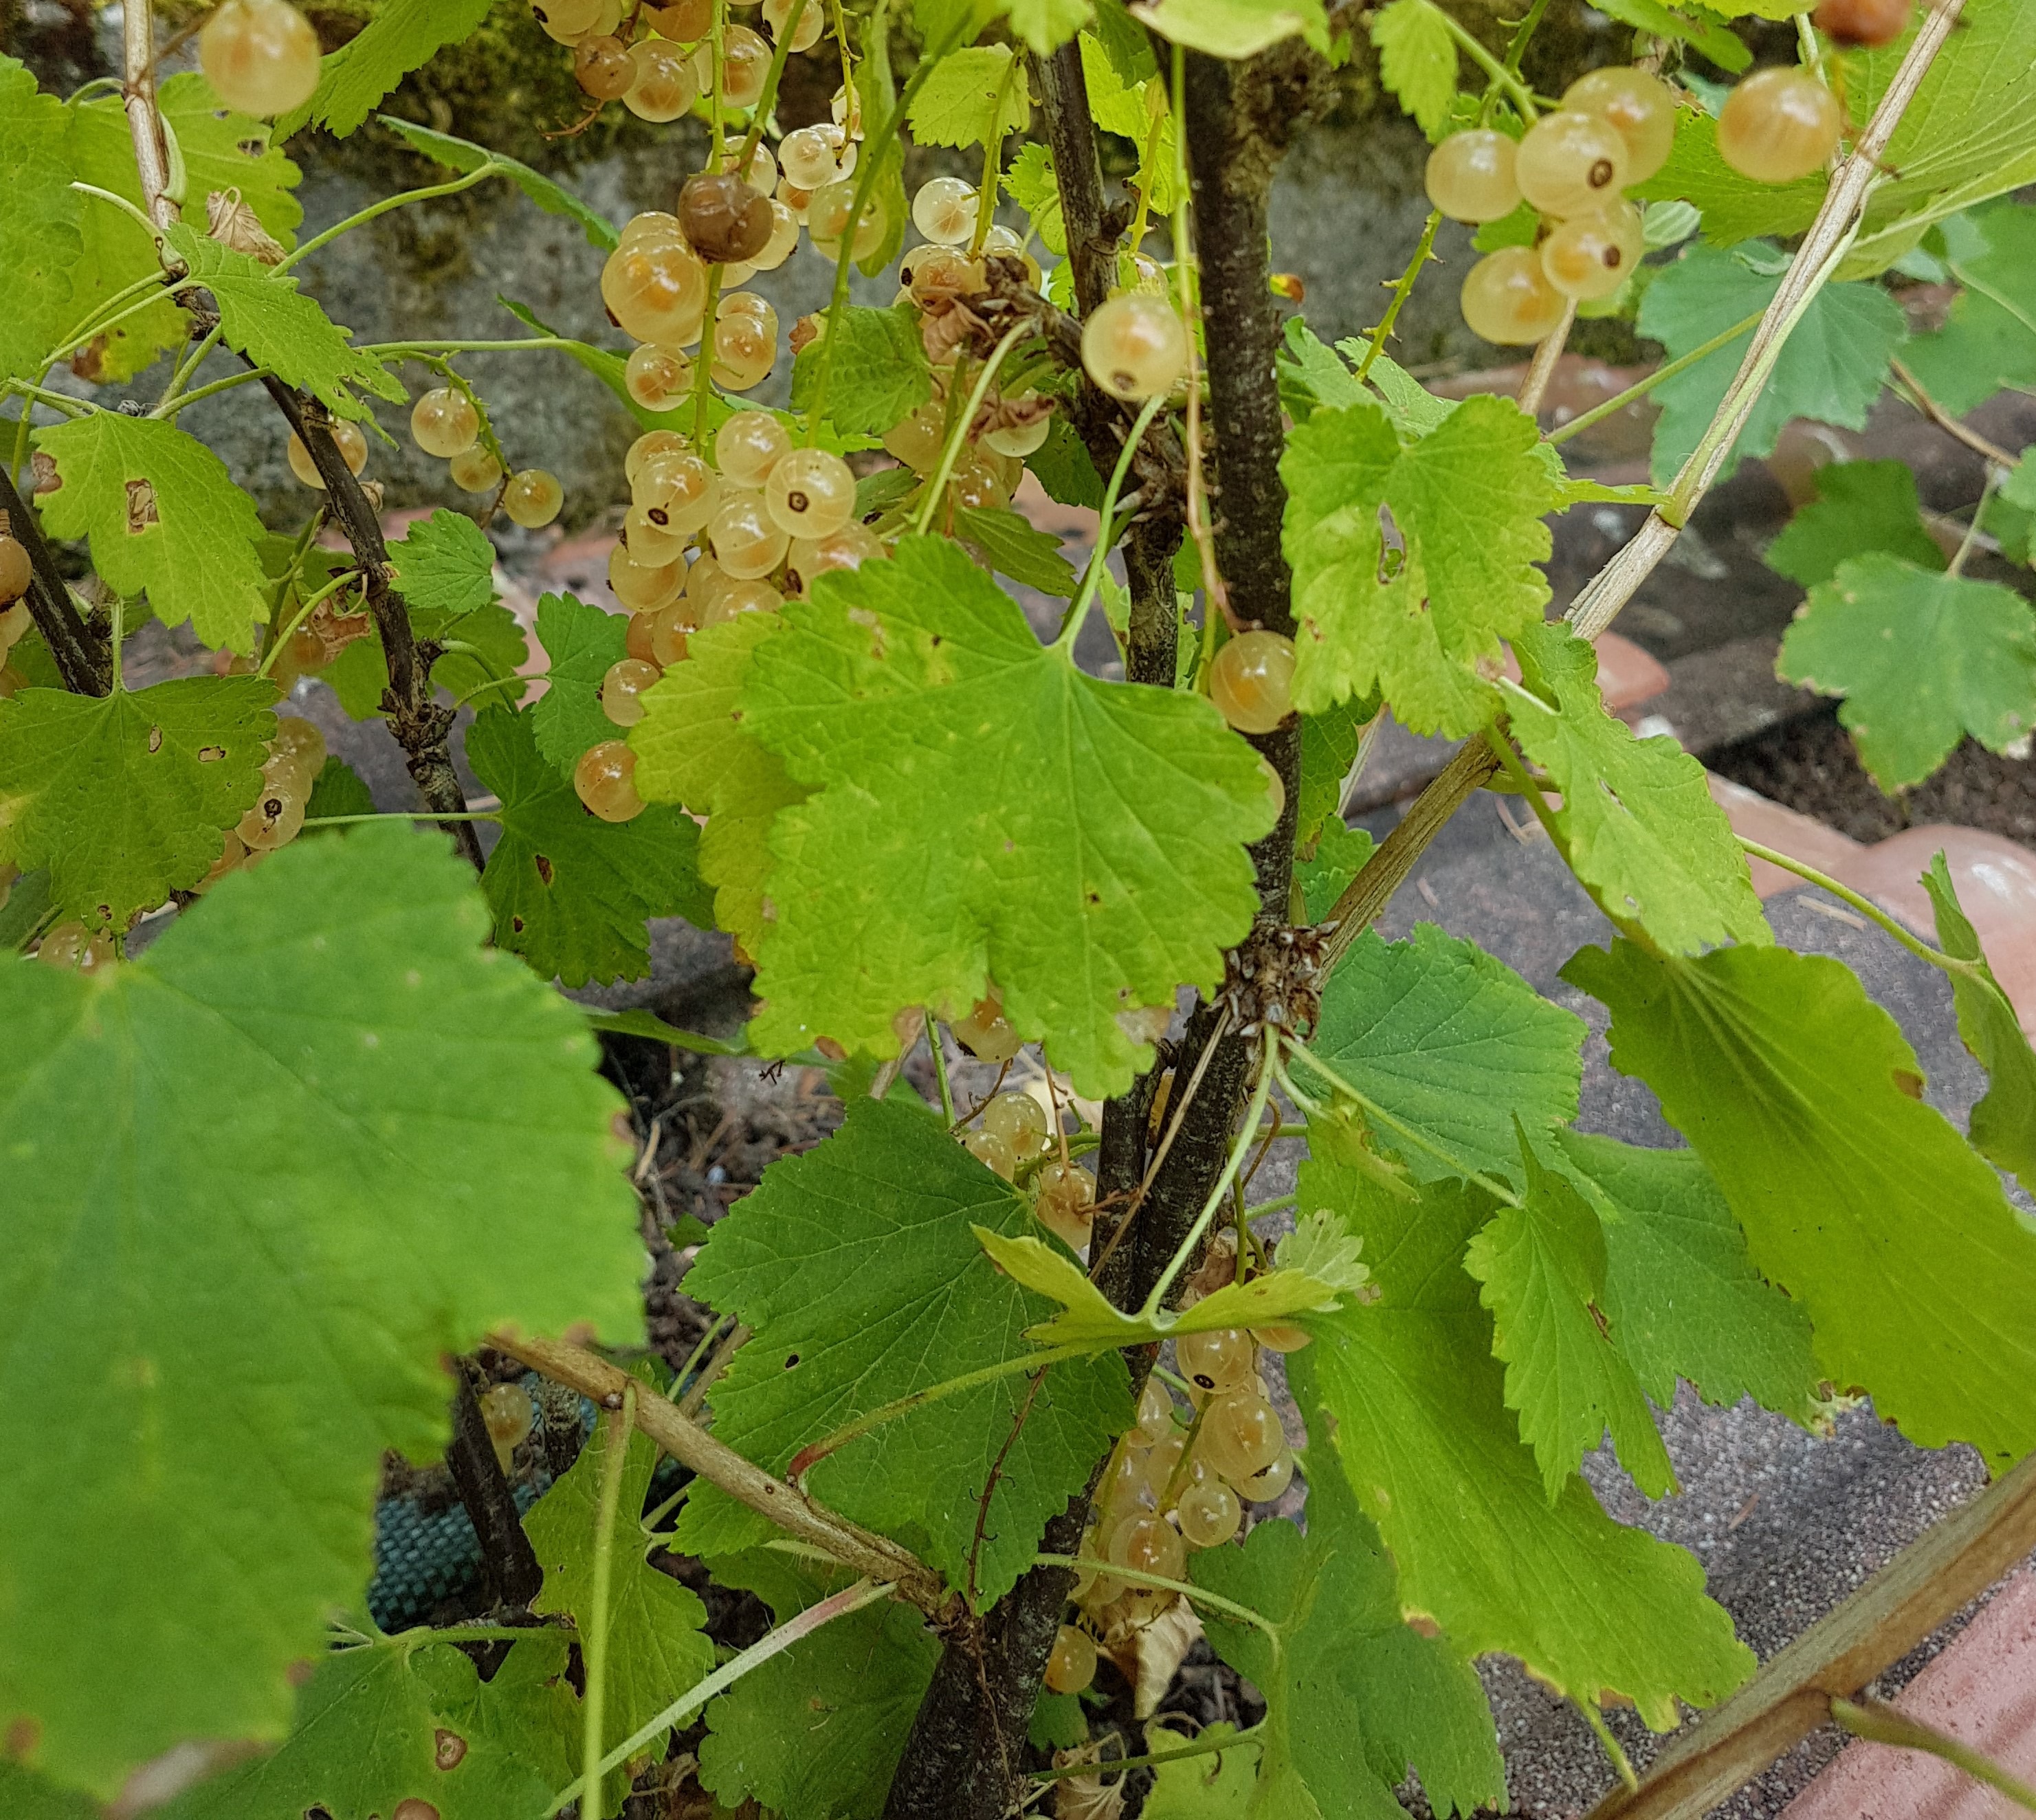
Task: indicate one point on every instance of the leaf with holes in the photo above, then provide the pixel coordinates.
(572, 894)
(165, 517)
(1860, 505)
(402, 36)
(39, 241)
(583, 644)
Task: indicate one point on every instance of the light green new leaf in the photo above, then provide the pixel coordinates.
(1726, 49)
(1857, 1198)
(974, 94)
(1989, 339)
(1128, 110)
(1543, 1265)
(1339, 857)
(583, 644)
(371, 1725)
(1467, 503)
(1030, 183)
(1417, 60)
(857, 1267)
(1921, 659)
(444, 564)
(1217, 1786)
(977, 820)
(1329, 749)
(1236, 28)
(553, 198)
(222, 152)
(571, 894)
(402, 36)
(691, 748)
(1683, 1298)
(265, 316)
(1046, 25)
(1860, 505)
(2004, 1123)
(1311, 375)
(235, 1349)
(1421, 1430)
(39, 242)
(1452, 1043)
(164, 516)
(1642, 831)
(657, 1644)
(879, 375)
(125, 797)
(1016, 549)
(1830, 368)
(1355, 1697)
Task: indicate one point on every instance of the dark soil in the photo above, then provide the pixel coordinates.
(1810, 766)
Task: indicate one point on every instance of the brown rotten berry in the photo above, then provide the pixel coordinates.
(726, 221)
(1857, 23)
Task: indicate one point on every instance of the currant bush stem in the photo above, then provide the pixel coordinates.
(480, 174)
(1541, 369)
(1881, 1724)
(1523, 97)
(593, 1642)
(1402, 288)
(1668, 370)
(1108, 1766)
(1258, 1210)
(1909, 384)
(1989, 481)
(1523, 35)
(79, 652)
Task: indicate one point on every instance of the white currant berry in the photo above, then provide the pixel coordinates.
(474, 470)
(944, 210)
(1209, 1514)
(746, 542)
(1642, 108)
(622, 690)
(1779, 125)
(806, 34)
(1020, 1120)
(1570, 164)
(658, 377)
(606, 781)
(532, 498)
(992, 1152)
(1507, 298)
(810, 494)
(643, 587)
(1134, 347)
(567, 20)
(656, 291)
(1590, 256)
(749, 445)
(1071, 1666)
(1251, 681)
(1470, 175)
(662, 87)
(260, 56)
(444, 422)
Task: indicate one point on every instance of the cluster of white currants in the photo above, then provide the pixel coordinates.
(444, 422)
(663, 72)
(1615, 128)
(1015, 1134)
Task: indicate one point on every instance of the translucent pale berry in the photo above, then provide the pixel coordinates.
(978, 479)
(1020, 1119)
(808, 157)
(1570, 164)
(1072, 1666)
(1268, 1481)
(71, 944)
(944, 210)
(1209, 1515)
(297, 744)
(567, 19)
(1067, 1203)
(1162, 1461)
(1592, 255)
(1218, 1360)
(656, 291)
(15, 571)
(746, 541)
(810, 493)
(933, 273)
(991, 1151)
(753, 596)
(277, 815)
(723, 217)
(1507, 298)
(661, 85)
(986, 1033)
(1240, 1435)
(353, 447)
(683, 21)
(1156, 1413)
(603, 68)
(444, 422)
(917, 440)
(1147, 1544)
(810, 558)
(1134, 346)
(784, 239)
(1470, 176)
(796, 201)
(510, 1415)
(678, 493)
(704, 580)
(827, 220)
(532, 498)
(806, 34)
(643, 588)
(659, 378)
(1639, 106)
(1022, 439)
(606, 779)
(745, 61)
(260, 56)
(1251, 681)
(622, 690)
(650, 227)
(639, 636)
(474, 470)
(652, 443)
(745, 348)
(1282, 1339)
(650, 543)
(749, 445)
(1778, 125)
(1863, 24)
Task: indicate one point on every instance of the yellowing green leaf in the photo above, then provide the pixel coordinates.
(976, 821)
(1921, 658)
(1857, 1198)
(1217, 1786)
(1417, 60)
(235, 1348)
(1235, 28)
(165, 517)
(39, 242)
(1416, 622)
(583, 644)
(1860, 505)
(125, 797)
(1643, 832)
(975, 93)
(402, 36)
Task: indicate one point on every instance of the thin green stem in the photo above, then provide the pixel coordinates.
(703, 367)
(1682, 364)
(593, 1642)
(342, 579)
(117, 608)
(125, 207)
(1987, 484)
(692, 1359)
(360, 218)
(404, 815)
(938, 1050)
(172, 404)
(422, 1634)
(768, 100)
(1884, 1724)
(101, 314)
(1137, 1576)
(664, 1509)
(1522, 97)
(396, 350)
(1866, 907)
(60, 402)
(1110, 1766)
(951, 452)
(1524, 34)
(187, 366)
(992, 161)
(1404, 288)
(481, 689)
(1258, 1210)
(1621, 1765)
(1107, 529)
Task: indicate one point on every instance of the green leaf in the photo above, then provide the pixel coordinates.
(1417, 60)
(222, 151)
(445, 564)
(402, 35)
(234, 1349)
(1127, 109)
(658, 1645)
(1215, 1786)
(1125, 41)
(694, 747)
(1857, 1199)
(1329, 749)
(1355, 1698)
(1920, 659)
(975, 821)
(2004, 1123)
(883, 490)
(1045, 25)
(553, 198)
(1466, 502)
(1237, 28)
(1989, 339)
(571, 894)
(1543, 1265)
(1339, 856)
(1057, 1722)
(39, 241)
(583, 644)
(164, 516)
(1724, 48)
(1860, 505)
(1030, 183)
(338, 791)
(1421, 1428)
(857, 1267)
(1637, 817)
(1454, 1043)
(371, 1725)
(974, 94)
(125, 797)
(880, 376)
(647, 1024)
(1015, 548)
(1311, 374)
(1830, 368)
(815, 1734)
(24, 908)
(265, 316)
(1734, 208)
(1682, 1298)
(1062, 464)
(25, 1796)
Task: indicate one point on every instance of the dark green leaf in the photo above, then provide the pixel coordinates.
(1016, 549)
(583, 643)
(1339, 857)
(1860, 505)
(338, 791)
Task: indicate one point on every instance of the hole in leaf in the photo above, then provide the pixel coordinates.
(155, 739)
(791, 1360)
(142, 511)
(207, 755)
(447, 1748)
(1392, 546)
(543, 867)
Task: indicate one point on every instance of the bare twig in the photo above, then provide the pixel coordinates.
(1945, 421)
(82, 657)
(508, 1563)
(1542, 369)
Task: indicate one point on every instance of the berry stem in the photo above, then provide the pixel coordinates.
(1402, 288)
(1909, 384)
(951, 451)
(169, 407)
(126, 208)
(1201, 1748)
(1682, 364)
(703, 367)
(1541, 369)
(1965, 549)
(1187, 1589)
(938, 1049)
(768, 100)
(993, 160)
(1522, 97)
(480, 174)
(1107, 529)
(1884, 1724)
